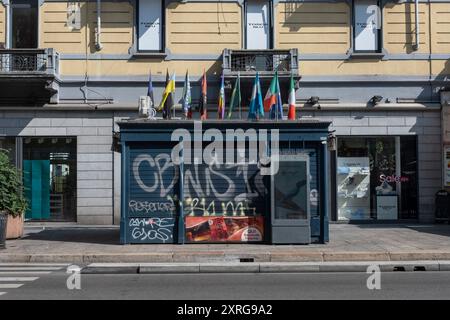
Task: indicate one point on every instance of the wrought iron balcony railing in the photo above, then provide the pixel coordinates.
(29, 61)
(248, 62)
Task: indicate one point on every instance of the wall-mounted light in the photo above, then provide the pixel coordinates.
(376, 100)
(314, 102)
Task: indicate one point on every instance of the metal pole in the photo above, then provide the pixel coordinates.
(416, 46)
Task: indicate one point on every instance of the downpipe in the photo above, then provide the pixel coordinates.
(98, 30)
(416, 45)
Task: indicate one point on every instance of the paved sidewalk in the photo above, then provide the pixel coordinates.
(88, 244)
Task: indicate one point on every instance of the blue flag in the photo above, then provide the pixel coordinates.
(256, 109)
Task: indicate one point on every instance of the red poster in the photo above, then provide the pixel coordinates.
(224, 229)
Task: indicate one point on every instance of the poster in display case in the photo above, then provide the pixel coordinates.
(353, 180)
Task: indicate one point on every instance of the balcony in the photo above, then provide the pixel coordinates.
(265, 62)
(28, 76)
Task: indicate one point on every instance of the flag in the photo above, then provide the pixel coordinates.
(276, 112)
(203, 99)
(167, 102)
(221, 107)
(271, 95)
(256, 109)
(235, 96)
(291, 112)
(150, 90)
(186, 99)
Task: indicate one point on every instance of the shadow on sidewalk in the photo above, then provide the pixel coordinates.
(436, 229)
(77, 235)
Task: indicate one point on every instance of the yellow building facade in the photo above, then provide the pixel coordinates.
(376, 69)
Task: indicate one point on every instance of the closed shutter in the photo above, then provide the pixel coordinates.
(152, 197)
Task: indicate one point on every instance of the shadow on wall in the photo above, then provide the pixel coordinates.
(295, 16)
(410, 26)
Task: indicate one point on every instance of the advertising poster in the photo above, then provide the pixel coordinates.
(447, 166)
(353, 188)
(224, 229)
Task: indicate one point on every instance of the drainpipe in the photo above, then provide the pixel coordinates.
(98, 32)
(416, 45)
(8, 24)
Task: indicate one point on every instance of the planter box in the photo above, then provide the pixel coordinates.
(14, 228)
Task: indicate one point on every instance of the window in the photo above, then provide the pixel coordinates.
(258, 24)
(150, 23)
(366, 25)
(24, 24)
(377, 178)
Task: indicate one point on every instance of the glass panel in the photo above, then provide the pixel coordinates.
(390, 186)
(408, 178)
(290, 184)
(367, 22)
(52, 161)
(24, 23)
(149, 28)
(258, 25)
(9, 144)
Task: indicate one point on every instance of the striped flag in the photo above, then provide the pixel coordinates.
(150, 90)
(235, 101)
(276, 111)
(271, 95)
(203, 99)
(291, 112)
(256, 109)
(167, 102)
(221, 107)
(186, 99)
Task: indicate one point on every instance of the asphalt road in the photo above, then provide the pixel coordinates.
(51, 284)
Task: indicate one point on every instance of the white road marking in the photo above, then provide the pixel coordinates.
(32, 264)
(25, 272)
(20, 279)
(29, 268)
(2, 293)
(10, 285)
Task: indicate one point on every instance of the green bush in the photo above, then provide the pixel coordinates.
(11, 188)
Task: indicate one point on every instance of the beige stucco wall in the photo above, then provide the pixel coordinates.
(399, 28)
(208, 28)
(203, 27)
(312, 27)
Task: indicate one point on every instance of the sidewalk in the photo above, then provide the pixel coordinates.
(91, 244)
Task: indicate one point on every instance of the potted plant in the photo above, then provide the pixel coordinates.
(12, 202)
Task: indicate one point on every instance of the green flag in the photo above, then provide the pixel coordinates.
(235, 96)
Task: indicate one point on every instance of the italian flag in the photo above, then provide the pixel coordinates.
(291, 112)
(271, 95)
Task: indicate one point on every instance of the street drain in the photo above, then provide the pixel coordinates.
(419, 268)
(399, 268)
(246, 260)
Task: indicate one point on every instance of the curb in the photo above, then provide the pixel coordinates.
(263, 267)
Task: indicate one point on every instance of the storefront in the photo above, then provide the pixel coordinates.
(243, 198)
(49, 169)
(377, 178)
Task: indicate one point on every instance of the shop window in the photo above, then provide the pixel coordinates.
(8, 144)
(377, 178)
(49, 174)
(366, 26)
(150, 25)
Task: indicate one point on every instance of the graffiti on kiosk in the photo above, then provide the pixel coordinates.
(218, 181)
(145, 229)
(149, 207)
(199, 207)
